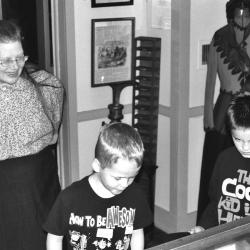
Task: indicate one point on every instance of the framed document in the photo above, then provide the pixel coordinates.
(112, 51)
(107, 3)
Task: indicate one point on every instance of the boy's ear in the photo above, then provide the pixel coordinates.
(96, 166)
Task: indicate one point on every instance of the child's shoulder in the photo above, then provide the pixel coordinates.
(136, 197)
(134, 192)
(75, 189)
(231, 151)
(229, 156)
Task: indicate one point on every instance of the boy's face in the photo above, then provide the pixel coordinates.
(117, 178)
(241, 139)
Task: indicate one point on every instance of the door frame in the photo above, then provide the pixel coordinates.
(64, 58)
(43, 35)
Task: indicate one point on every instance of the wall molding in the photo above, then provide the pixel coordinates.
(96, 114)
(192, 112)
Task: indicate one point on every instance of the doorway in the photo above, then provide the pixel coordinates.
(34, 18)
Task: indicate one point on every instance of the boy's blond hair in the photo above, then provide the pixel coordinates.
(118, 140)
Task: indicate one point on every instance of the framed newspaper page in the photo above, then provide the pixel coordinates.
(112, 51)
(107, 3)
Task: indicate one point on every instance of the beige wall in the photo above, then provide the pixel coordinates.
(180, 133)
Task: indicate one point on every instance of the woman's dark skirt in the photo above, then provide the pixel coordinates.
(28, 187)
(215, 142)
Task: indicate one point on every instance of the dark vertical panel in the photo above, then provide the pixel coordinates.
(50, 35)
(24, 13)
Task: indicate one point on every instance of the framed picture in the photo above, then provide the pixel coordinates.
(107, 3)
(112, 51)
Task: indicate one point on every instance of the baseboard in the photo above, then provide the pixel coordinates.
(169, 223)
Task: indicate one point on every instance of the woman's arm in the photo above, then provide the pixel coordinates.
(209, 217)
(54, 242)
(51, 93)
(210, 87)
(137, 240)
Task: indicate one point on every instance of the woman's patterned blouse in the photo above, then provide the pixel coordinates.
(25, 128)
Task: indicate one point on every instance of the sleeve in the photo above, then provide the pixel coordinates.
(56, 222)
(143, 214)
(53, 94)
(210, 87)
(209, 218)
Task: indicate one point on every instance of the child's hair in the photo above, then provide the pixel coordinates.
(118, 140)
(231, 5)
(9, 31)
(238, 113)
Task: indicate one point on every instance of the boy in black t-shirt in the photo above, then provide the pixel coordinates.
(229, 190)
(105, 210)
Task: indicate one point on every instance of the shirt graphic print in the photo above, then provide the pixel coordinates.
(234, 202)
(116, 217)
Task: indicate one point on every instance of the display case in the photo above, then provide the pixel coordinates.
(234, 235)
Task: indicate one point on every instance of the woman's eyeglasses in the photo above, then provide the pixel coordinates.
(8, 62)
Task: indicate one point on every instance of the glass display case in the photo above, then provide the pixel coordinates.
(234, 236)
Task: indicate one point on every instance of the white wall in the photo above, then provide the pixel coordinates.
(96, 98)
(162, 187)
(92, 99)
(206, 17)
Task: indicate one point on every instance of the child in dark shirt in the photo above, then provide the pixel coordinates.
(230, 183)
(105, 210)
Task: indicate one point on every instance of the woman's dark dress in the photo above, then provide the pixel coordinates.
(29, 185)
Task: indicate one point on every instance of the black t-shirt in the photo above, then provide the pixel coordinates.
(88, 221)
(229, 190)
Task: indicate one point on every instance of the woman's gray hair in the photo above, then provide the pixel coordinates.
(9, 31)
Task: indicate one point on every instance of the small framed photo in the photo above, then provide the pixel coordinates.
(112, 51)
(107, 3)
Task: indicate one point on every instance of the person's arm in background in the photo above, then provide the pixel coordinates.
(137, 240)
(56, 225)
(53, 92)
(209, 217)
(54, 242)
(210, 87)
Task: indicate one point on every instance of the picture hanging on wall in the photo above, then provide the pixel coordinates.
(107, 3)
(112, 51)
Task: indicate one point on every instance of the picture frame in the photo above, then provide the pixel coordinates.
(112, 51)
(109, 3)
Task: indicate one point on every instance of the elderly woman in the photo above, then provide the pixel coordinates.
(30, 115)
